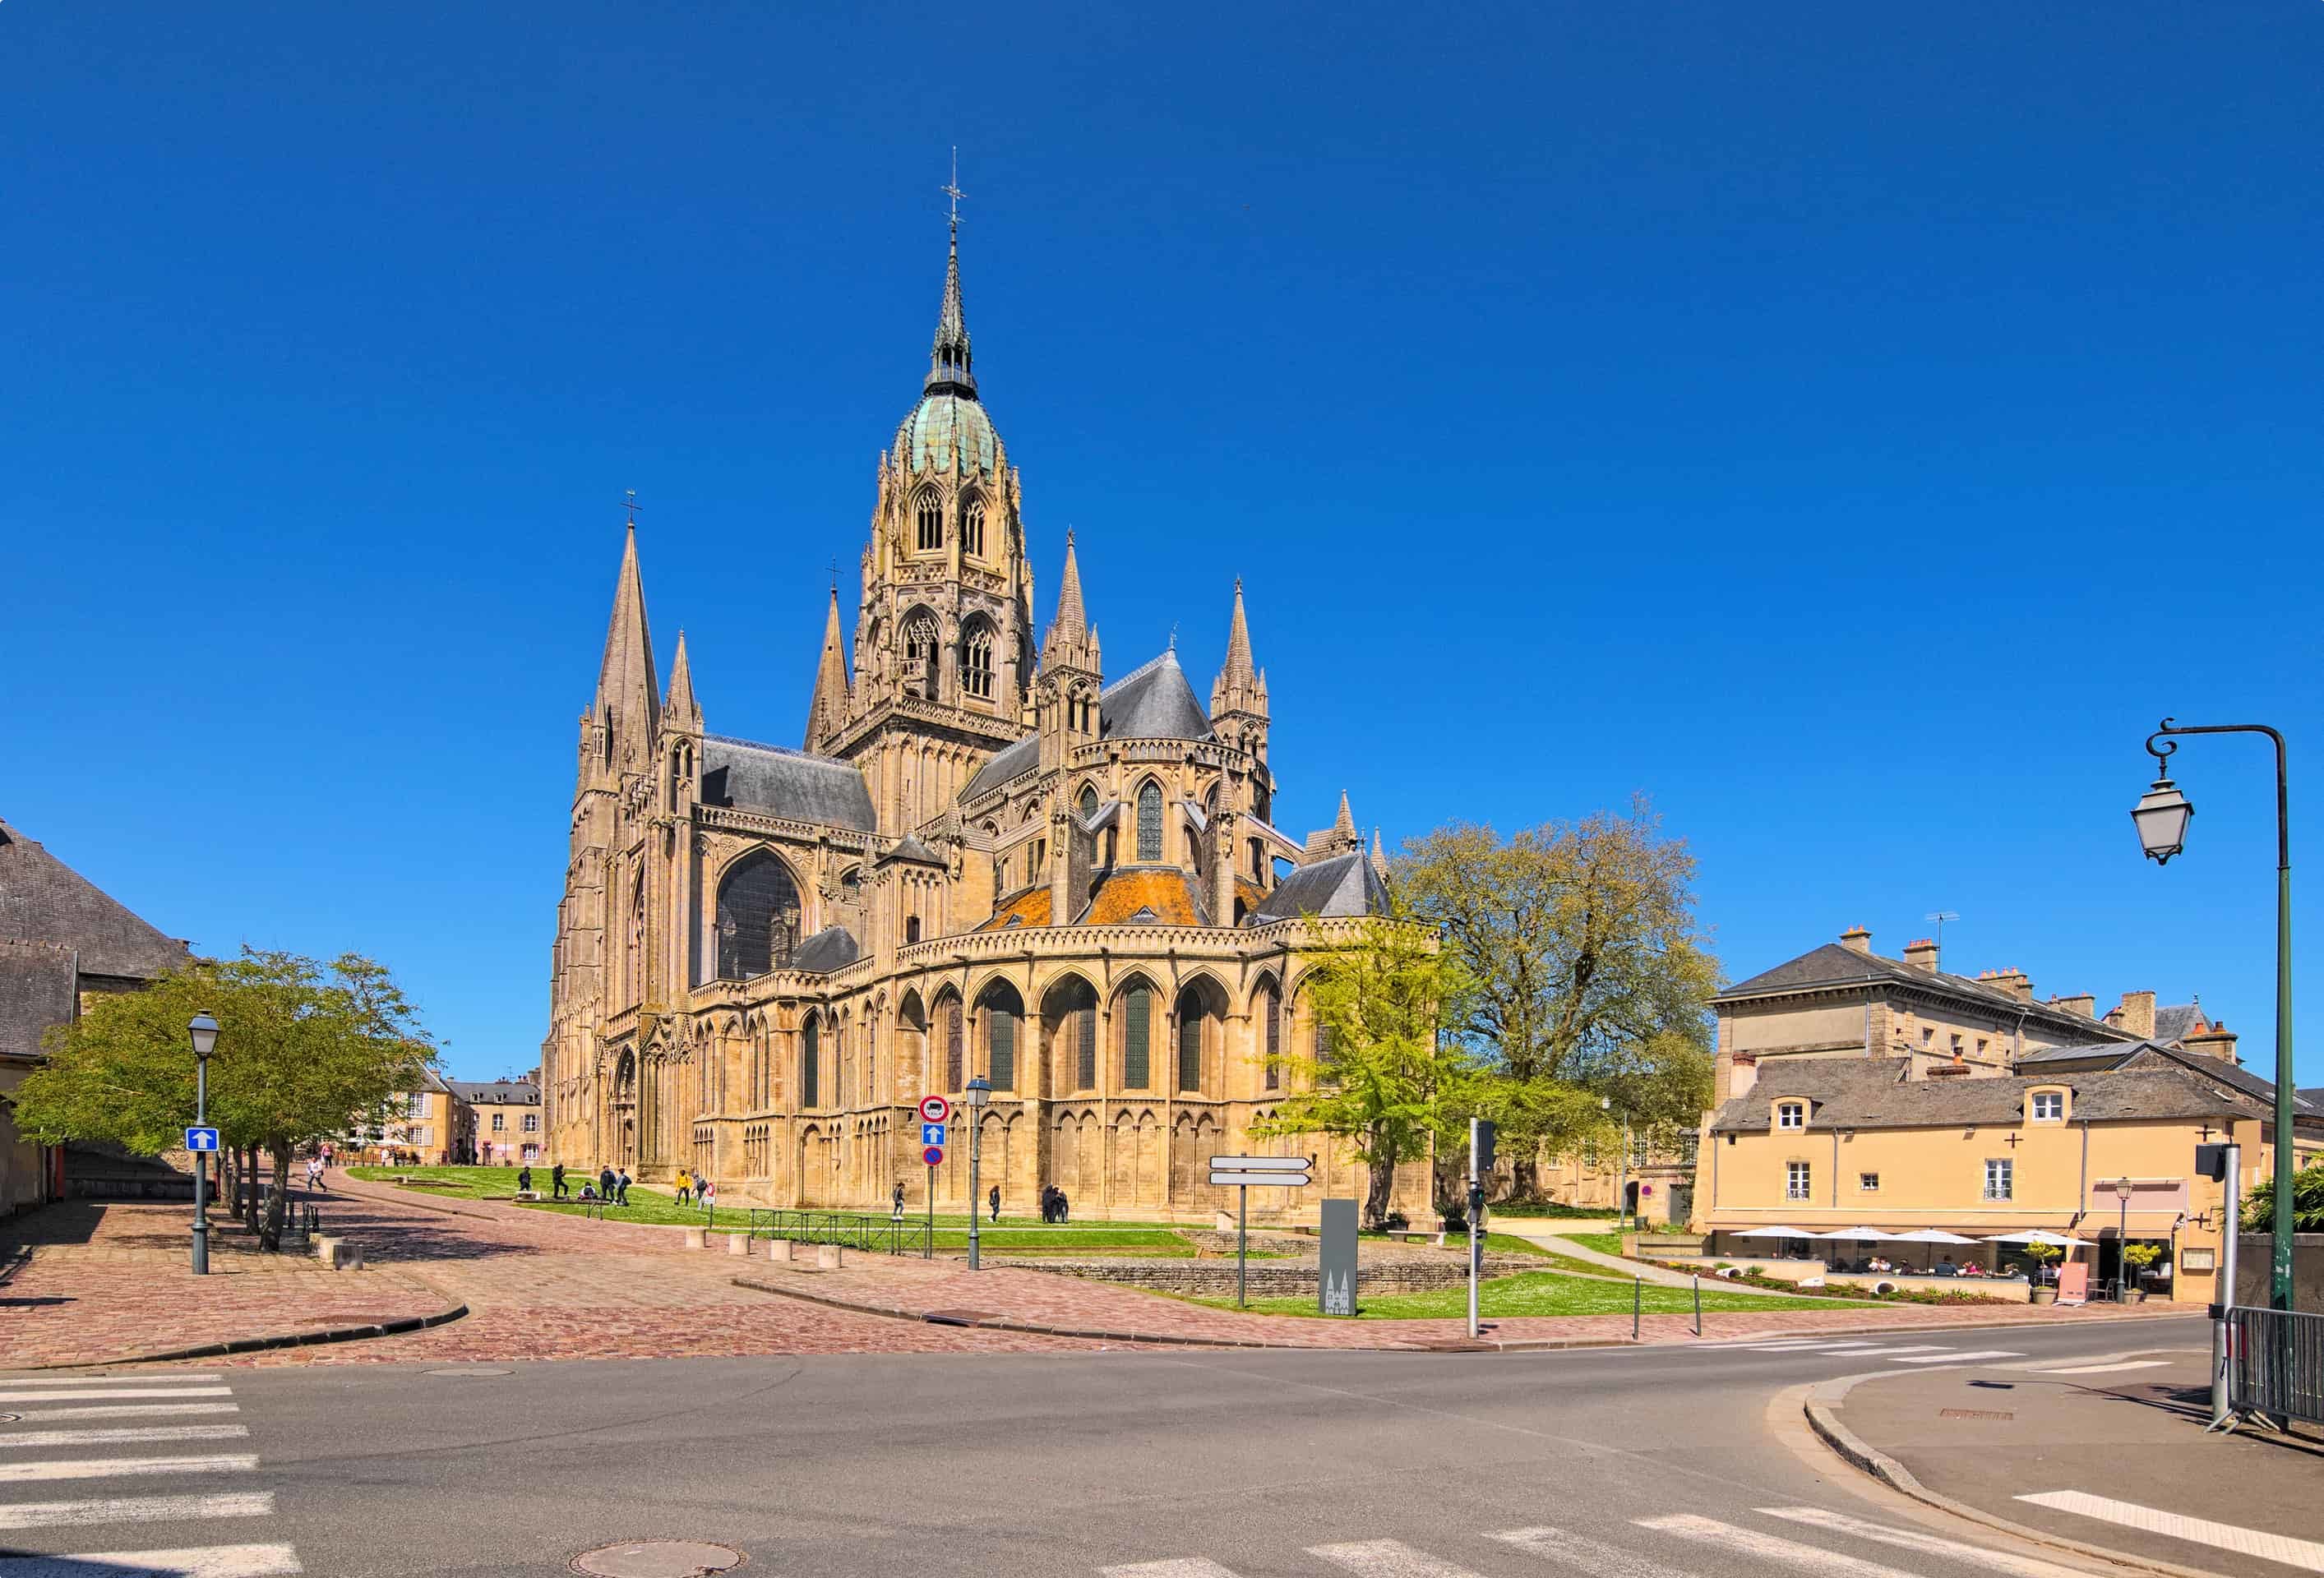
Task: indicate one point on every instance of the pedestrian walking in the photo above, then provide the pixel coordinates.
(604, 1183)
(899, 1198)
(556, 1182)
(622, 1188)
(685, 1185)
(995, 1198)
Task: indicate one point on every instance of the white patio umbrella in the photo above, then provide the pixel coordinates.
(1864, 1234)
(1799, 1233)
(2037, 1235)
(1932, 1236)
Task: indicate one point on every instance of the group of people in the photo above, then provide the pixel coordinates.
(1055, 1206)
(697, 1191)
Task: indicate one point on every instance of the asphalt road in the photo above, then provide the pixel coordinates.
(1654, 1462)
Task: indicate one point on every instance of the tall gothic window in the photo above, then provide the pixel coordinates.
(1137, 1037)
(637, 948)
(1088, 806)
(976, 662)
(921, 654)
(1150, 822)
(971, 527)
(810, 1055)
(758, 917)
(1086, 1058)
(1002, 1009)
(1273, 1010)
(931, 523)
(953, 1074)
(1190, 1040)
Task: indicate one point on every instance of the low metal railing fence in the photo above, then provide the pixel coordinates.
(2276, 1363)
(848, 1229)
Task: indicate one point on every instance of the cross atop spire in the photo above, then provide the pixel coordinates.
(949, 362)
(1240, 687)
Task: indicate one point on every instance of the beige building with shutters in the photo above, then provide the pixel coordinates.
(985, 856)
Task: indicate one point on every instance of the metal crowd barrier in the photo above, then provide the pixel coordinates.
(848, 1229)
(2276, 1363)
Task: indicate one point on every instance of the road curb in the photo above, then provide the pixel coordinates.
(1000, 1323)
(1825, 1397)
(345, 1334)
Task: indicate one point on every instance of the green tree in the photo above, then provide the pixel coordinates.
(1388, 1081)
(305, 1048)
(2307, 1202)
(1586, 971)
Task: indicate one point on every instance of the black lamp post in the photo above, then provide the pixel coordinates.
(2161, 816)
(980, 1095)
(203, 1031)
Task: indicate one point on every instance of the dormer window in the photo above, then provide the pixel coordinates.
(1791, 1115)
(2049, 1106)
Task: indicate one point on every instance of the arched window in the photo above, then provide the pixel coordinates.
(1088, 806)
(954, 1048)
(1150, 822)
(971, 527)
(911, 929)
(920, 662)
(1003, 1010)
(931, 523)
(1272, 1007)
(1137, 1038)
(976, 662)
(810, 1057)
(1190, 1040)
(758, 917)
(637, 949)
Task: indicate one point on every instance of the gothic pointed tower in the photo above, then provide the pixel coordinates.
(827, 708)
(943, 654)
(1065, 691)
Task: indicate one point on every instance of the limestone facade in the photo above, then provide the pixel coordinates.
(986, 860)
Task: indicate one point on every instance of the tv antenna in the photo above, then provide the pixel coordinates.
(1940, 917)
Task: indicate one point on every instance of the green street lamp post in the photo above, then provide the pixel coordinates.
(2161, 816)
(980, 1095)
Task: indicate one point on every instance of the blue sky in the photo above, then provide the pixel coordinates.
(1852, 426)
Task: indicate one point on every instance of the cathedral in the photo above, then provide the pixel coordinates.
(984, 858)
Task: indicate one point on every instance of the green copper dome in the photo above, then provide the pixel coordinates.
(948, 429)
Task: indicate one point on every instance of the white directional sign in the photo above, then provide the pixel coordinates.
(1266, 1180)
(1261, 1164)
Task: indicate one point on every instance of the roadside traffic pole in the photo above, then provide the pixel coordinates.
(1242, 1240)
(2223, 1286)
(1480, 1162)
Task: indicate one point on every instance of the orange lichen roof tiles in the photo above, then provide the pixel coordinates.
(1124, 895)
(1029, 908)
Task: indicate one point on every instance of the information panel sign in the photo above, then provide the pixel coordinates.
(1335, 1276)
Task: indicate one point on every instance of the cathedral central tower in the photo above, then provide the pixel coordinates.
(943, 654)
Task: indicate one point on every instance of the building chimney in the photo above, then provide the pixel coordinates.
(1857, 939)
(1922, 954)
(2082, 1003)
(2217, 1041)
(2135, 1015)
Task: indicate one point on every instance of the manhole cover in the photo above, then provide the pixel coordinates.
(657, 1558)
(471, 1370)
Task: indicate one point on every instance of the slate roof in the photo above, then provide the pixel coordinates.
(1152, 701)
(2177, 1021)
(909, 847)
(1344, 884)
(1871, 1093)
(834, 948)
(45, 899)
(37, 989)
(1834, 965)
(496, 1091)
(790, 783)
(2144, 1054)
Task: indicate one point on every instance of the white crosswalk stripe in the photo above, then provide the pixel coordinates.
(51, 1455)
(1928, 1544)
(2305, 1554)
(2107, 1369)
(1184, 1567)
(20, 1440)
(1787, 1554)
(1595, 1557)
(1961, 1358)
(1387, 1559)
(191, 1562)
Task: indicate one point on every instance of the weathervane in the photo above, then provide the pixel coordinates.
(630, 504)
(951, 188)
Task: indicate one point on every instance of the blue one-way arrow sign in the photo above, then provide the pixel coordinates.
(932, 1133)
(204, 1139)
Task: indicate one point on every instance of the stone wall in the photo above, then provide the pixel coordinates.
(1286, 1279)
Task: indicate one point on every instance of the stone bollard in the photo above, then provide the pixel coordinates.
(738, 1243)
(693, 1239)
(342, 1256)
(323, 1248)
(778, 1250)
(826, 1257)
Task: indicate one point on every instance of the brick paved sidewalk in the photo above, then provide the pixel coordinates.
(87, 1282)
(541, 1285)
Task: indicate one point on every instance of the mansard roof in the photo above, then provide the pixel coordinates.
(1152, 701)
(45, 899)
(1344, 884)
(789, 784)
(1835, 965)
(496, 1091)
(1873, 1093)
(834, 948)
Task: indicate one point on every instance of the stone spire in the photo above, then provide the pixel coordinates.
(626, 679)
(680, 708)
(1345, 827)
(1240, 687)
(827, 709)
(1379, 860)
(1071, 621)
(1064, 693)
(949, 361)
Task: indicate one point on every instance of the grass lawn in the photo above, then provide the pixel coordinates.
(1603, 1243)
(1531, 1293)
(1509, 1244)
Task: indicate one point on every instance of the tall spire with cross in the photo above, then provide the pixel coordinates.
(949, 361)
(626, 691)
